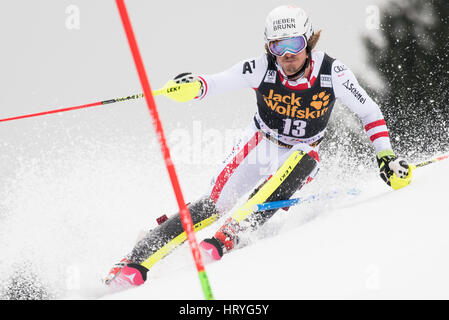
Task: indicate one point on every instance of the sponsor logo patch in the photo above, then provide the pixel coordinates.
(291, 105)
(282, 24)
(340, 68)
(326, 80)
(320, 100)
(358, 95)
(270, 76)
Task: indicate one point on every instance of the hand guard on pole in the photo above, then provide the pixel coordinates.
(188, 77)
(395, 171)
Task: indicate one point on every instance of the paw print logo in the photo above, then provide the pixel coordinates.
(320, 100)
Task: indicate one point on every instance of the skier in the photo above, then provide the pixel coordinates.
(296, 88)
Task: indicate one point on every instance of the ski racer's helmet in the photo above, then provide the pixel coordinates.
(287, 21)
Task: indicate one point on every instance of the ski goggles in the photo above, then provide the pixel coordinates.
(293, 45)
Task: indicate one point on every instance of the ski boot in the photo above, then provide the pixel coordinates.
(126, 274)
(224, 240)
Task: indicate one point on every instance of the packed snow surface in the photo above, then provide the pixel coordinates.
(381, 244)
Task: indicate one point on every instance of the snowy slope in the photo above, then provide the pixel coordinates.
(382, 244)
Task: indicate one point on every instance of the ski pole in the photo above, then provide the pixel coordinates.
(427, 162)
(291, 202)
(184, 212)
(295, 201)
(94, 104)
(179, 92)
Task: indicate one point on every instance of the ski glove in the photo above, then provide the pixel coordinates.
(395, 171)
(188, 77)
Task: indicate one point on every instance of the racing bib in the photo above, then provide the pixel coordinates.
(296, 113)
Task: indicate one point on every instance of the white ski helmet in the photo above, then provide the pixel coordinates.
(287, 21)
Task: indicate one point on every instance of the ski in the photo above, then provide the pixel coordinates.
(295, 201)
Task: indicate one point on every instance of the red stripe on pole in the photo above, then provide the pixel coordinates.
(53, 111)
(184, 211)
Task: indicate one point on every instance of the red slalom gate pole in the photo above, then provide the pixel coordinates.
(184, 212)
